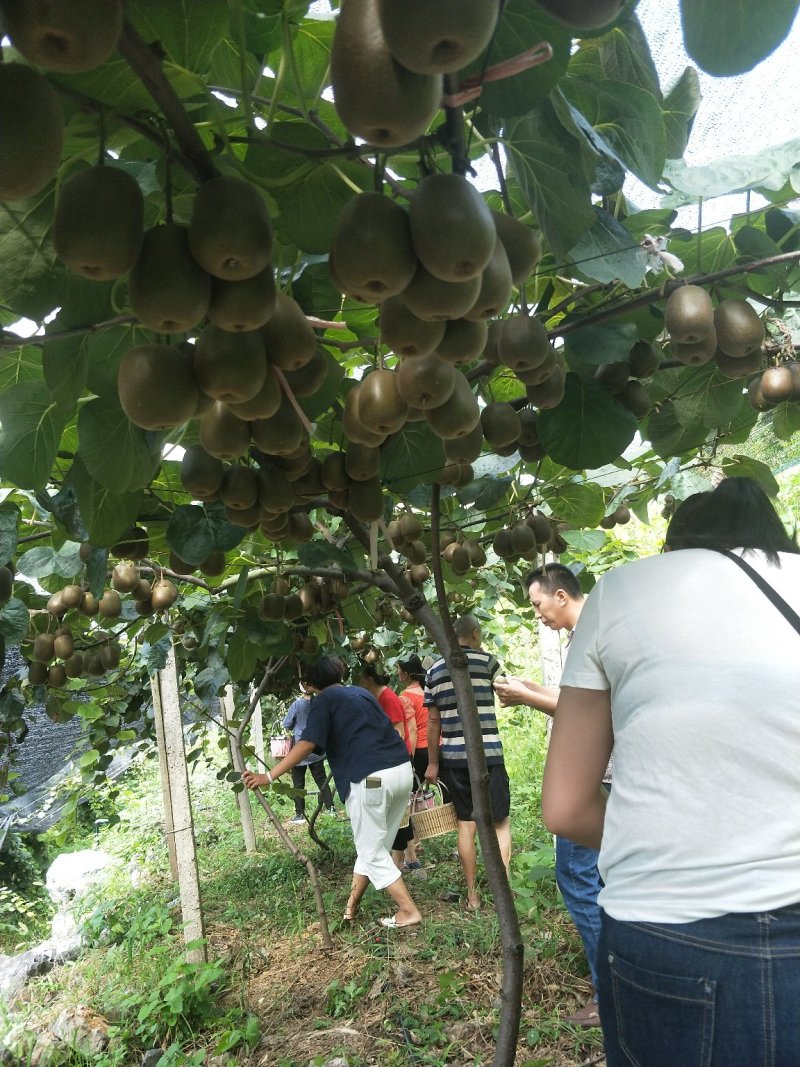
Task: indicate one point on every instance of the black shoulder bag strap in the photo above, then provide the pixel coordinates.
(788, 613)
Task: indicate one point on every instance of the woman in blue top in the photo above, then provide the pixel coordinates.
(295, 720)
(373, 777)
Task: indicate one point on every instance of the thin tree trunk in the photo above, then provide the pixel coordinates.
(166, 793)
(228, 706)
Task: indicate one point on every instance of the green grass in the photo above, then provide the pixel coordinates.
(268, 994)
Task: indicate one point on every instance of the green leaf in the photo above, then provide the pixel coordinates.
(608, 342)
(105, 350)
(621, 55)
(194, 532)
(282, 159)
(106, 513)
(413, 457)
(65, 364)
(311, 205)
(23, 364)
(320, 401)
(30, 280)
(707, 398)
(588, 428)
(604, 253)
(769, 168)
(135, 456)
(668, 435)
(43, 561)
(734, 39)
(14, 621)
(553, 168)
(714, 251)
(32, 425)
(187, 31)
(785, 420)
(746, 467)
(585, 540)
(241, 657)
(578, 503)
(485, 493)
(9, 523)
(316, 554)
(678, 111)
(627, 118)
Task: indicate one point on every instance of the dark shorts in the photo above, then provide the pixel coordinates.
(459, 791)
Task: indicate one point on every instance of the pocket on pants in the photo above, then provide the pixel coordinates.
(662, 1019)
(374, 798)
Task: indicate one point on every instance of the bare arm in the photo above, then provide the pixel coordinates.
(573, 800)
(411, 738)
(531, 694)
(434, 733)
(297, 753)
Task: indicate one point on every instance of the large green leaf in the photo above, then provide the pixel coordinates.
(31, 425)
(629, 119)
(413, 457)
(747, 467)
(187, 31)
(607, 342)
(678, 111)
(714, 251)
(281, 159)
(43, 561)
(769, 168)
(323, 554)
(605, 253)
(588, 428)
(30, 280)
(105, 350)
(668, 435)
(106, 513)
(311, 205)
(23, 364)
(578, 503)
(553, 172)
(621, 55)
(733, 38)
(9, 531)
(65, 364)
(14, 621)
(194, 532)
(117, 454)
(707, 398)
(521, 26)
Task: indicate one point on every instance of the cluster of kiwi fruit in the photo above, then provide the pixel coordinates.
(316, 597)
(778, 384)
(68, 37)
(623, 379)
(529, 537)
(54, 657)
(620, 516)
(388, 59)
(732, 334)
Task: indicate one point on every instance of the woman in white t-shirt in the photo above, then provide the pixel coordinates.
(693, 674)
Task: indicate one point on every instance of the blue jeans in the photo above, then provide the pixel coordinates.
(579, 881)
(722, 992)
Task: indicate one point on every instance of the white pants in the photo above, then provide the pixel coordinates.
(375, 816)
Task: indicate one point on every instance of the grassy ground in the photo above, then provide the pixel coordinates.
(270, 995)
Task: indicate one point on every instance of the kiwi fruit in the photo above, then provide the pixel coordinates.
(735, 367)
(70, 36)
(522, 342)
(459, 415)
(229, 366)
(501, 543)
(740, 331)
(425, 382)
(37, 672)
(452, 228)
(695, 353)
(44, 647)
(272, 607)
(280, 434)
(110, 654)
(71, 596)
(110, 604)
(522, 244)
(134, 544)
(643, 360)
(361, 462)
(550, 392)
(584, 14)
(416, 551)
(334, 472)
(366, 500)
(418, 574)
(89, 605)
(460, 560)
(55, 605)
(689, 315)
(456, 474)
(756, 397)
(496, 285)
(124, 577)
(404, 333)
(265, 402)
(475, 551)
(167, 289)
(222, 434)
(6, 585)
(230, 233)
(463, 341)
(372, 247)
(777, 384)
(309, 485)
(613, 376)
(156, 385)
(239, 488)
(289, 339)
(522, 538)
(31, 131)
(293, 608)
(434, 300)
(500, 424)
(163, 595)
(98, 222)
(467, 447)
(275, 492)
(201, 474)
(56, 675)
(73, 665)
(143, 588)
(310, 378)
(241, 306)
(437, 38)
(213, 565)
(634, 397)
(93, 665)
(376, 98)
(528, 426)
(381, 407)
(541, 526)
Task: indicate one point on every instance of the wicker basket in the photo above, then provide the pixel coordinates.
(406, 817)
(280, 742)
(438, 820)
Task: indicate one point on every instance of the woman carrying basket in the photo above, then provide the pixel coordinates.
(373, 777)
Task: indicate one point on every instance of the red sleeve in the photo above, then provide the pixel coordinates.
(390, 702)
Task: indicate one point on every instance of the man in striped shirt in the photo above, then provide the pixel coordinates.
(449, 762)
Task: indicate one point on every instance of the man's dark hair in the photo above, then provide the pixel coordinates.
(325, 671)
(413, 667)
(554, 576)
(737, 514)
(369, 670)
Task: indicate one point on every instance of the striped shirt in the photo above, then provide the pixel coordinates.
(439, 693)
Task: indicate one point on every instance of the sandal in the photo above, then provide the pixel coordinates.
(391, 923)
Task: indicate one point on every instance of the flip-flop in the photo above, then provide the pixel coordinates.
(391, 923)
